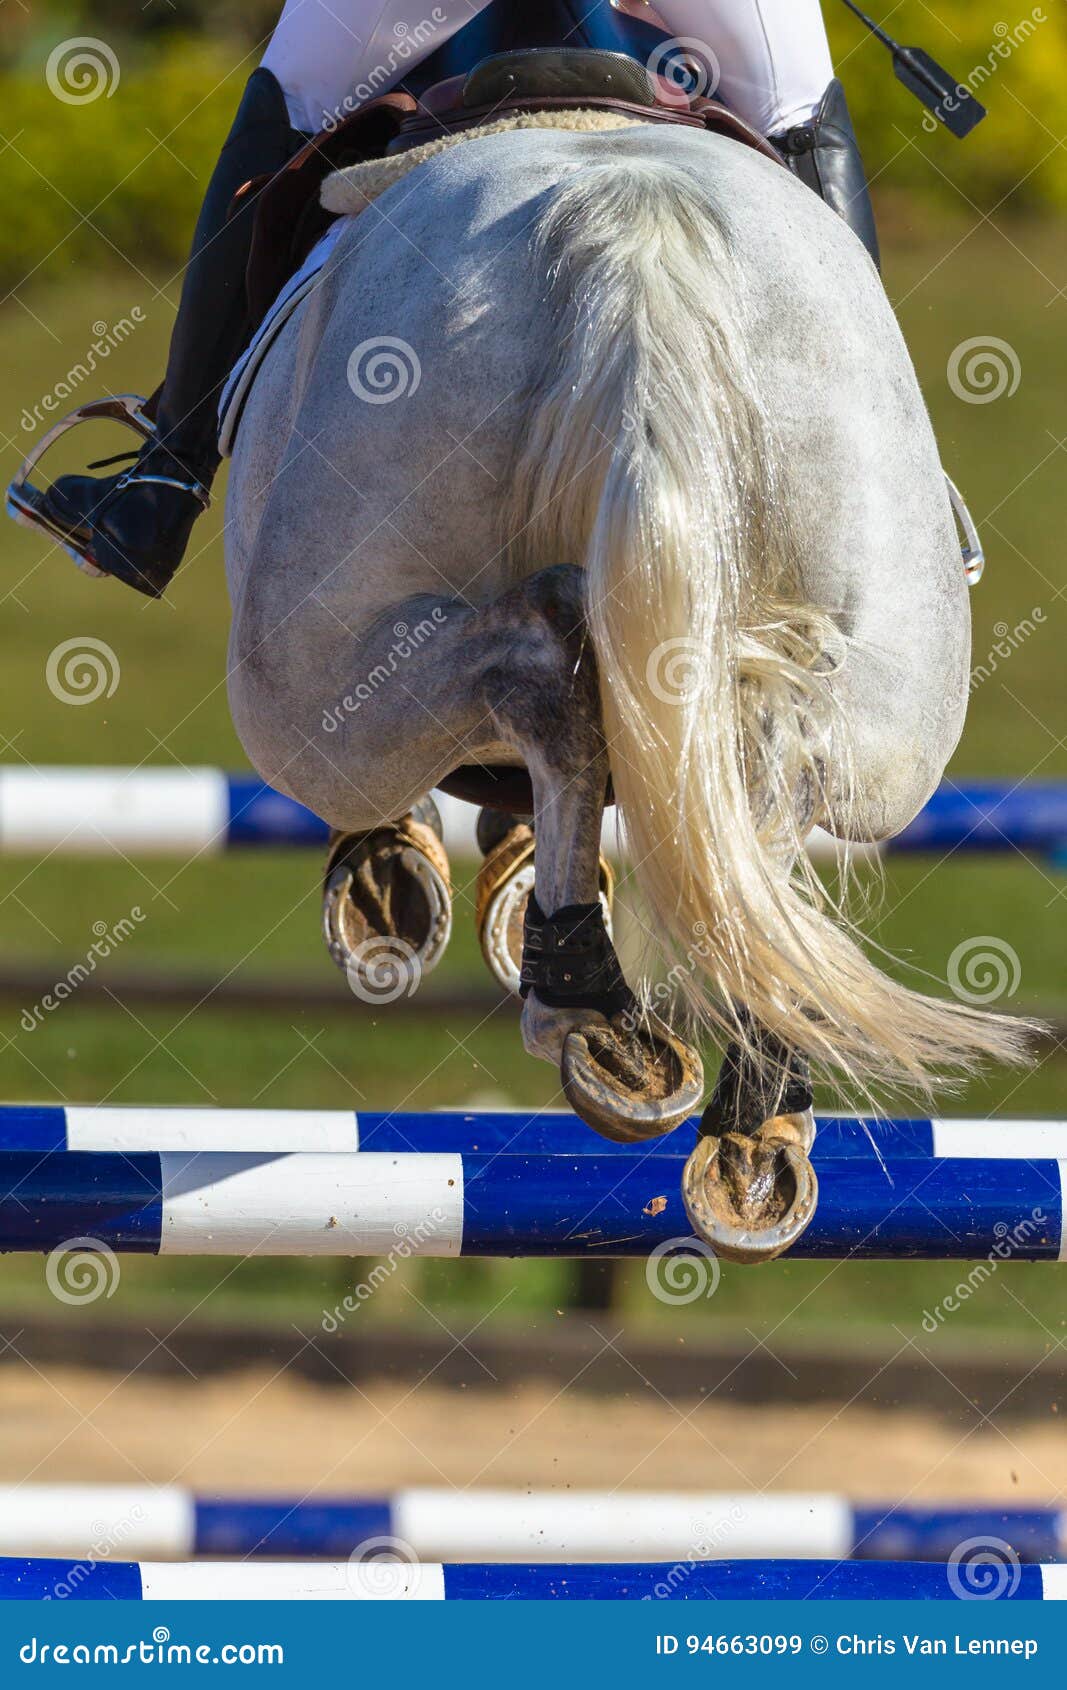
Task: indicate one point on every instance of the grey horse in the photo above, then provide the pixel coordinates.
(659, 478)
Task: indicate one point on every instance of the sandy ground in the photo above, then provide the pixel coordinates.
(256, 1432)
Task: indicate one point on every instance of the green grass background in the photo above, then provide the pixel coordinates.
(257, 915)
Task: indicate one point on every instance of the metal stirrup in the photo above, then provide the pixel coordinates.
(26, 503)
(973, 554)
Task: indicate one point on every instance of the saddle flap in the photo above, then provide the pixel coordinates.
(289, 219)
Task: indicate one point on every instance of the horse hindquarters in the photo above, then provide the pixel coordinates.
(718, 681)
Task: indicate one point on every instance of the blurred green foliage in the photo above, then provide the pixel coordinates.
(118, 178)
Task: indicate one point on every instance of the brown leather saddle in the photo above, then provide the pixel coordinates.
(289, 218)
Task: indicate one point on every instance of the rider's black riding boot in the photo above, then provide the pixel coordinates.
(825, 154)
(139, 522)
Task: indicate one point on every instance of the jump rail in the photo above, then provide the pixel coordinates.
(124, 1581)
(447, 1204)
(93, 811)
(171, 1523)
(47, 1127)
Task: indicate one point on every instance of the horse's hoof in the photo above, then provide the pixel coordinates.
(505, 881)
(631, 1083)
(752, 1197)
(387, 904)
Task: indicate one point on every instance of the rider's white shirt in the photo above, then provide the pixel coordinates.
(771, 57)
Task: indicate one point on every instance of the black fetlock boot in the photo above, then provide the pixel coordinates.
(826, 155)
(136, 525)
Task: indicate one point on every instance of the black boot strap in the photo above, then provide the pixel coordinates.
(753, 1089)
(570, 961)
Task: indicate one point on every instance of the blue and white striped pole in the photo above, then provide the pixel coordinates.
(168, 1522)
(176, 811)
(445, 1204)
(150, 1581)
(534, 1132)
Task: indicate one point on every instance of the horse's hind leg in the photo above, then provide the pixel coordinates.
(387, 903)
(515, 675)
(749, 1187)
(626, 1075)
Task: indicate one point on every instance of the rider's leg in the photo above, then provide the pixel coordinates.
(775, 69)
(138, 523)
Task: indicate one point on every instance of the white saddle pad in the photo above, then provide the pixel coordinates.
(243, 374)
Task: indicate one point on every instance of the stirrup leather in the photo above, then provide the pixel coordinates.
(26, 504)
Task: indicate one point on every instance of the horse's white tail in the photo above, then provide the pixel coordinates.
(648, 456)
